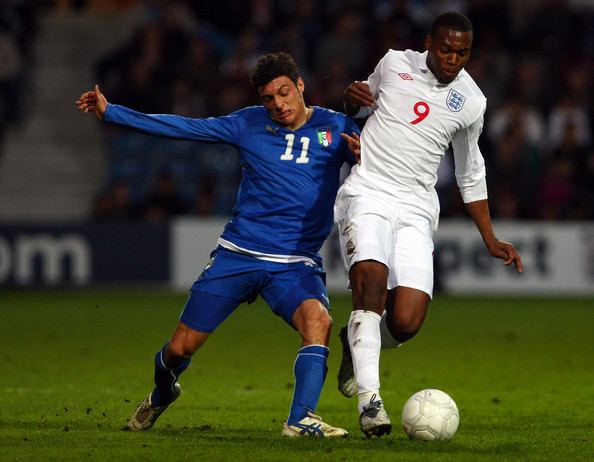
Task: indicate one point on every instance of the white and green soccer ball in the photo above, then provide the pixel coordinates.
(430, 415)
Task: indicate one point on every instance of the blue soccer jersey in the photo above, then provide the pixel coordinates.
(290, 178)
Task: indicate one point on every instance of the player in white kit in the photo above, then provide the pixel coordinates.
(387, 210)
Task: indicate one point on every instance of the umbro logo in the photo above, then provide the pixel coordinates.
(405, 76)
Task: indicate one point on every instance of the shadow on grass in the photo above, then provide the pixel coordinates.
(249, 443)
(227, 437)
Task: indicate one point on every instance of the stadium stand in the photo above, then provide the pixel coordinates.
(53, 160)
(532, 59)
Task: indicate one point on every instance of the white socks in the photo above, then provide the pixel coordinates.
(368, 334)
(365, 343)
(387, 340)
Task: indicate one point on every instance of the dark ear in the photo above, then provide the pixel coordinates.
(428, 42)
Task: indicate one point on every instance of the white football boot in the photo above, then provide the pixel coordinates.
(145, 415)
(374, 420)
(312, 426)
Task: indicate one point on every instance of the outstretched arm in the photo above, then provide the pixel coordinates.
(92, 101)
(479, 211)
(215, 129)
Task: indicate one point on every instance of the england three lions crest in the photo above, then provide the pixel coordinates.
(455, 100)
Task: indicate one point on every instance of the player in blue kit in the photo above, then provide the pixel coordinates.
(291, 156)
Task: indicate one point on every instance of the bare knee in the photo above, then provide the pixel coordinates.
(313, 322)
(404, 328)
(316, 327)
(407, 312)
(368, 282)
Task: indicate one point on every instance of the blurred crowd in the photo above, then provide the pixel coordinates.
(17, 31)
(532, 59)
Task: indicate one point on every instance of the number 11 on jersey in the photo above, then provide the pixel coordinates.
(288, 155)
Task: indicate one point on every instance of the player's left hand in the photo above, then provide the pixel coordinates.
(507, 252)
(354, 143)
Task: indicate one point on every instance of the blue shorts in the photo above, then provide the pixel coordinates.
(232, 278)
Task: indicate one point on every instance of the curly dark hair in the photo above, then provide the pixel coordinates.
(273, 65)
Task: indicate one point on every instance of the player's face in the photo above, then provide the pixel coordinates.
(448, 53)
(284, 101)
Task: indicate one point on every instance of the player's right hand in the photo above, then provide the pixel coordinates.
(354, 143)
(358, 93)
(92, 101)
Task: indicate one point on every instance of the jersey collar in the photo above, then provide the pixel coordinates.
(313, 115)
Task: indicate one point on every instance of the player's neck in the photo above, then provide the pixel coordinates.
(307, 113)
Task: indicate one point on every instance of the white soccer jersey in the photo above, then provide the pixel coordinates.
(410, 127)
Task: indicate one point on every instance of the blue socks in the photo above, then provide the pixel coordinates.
(165, 379)
(310, 372)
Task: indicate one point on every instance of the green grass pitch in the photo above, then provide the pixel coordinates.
(75, 364)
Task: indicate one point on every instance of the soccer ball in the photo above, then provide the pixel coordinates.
(430, 415)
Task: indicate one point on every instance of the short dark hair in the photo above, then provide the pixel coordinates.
(451, 20)
(273, 65)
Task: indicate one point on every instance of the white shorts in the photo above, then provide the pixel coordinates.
(398, 235)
